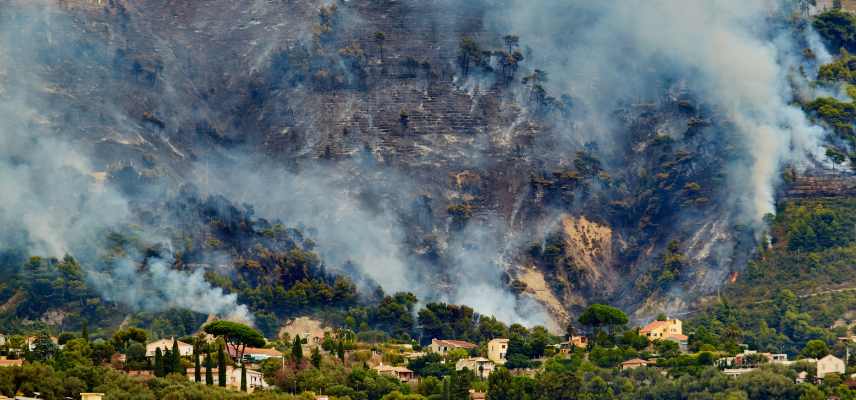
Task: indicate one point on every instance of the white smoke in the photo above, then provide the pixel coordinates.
(727, 50)
(48, 188)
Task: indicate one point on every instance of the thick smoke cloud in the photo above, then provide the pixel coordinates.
(729, 52)
(51, 200)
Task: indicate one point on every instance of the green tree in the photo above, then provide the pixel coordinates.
(43, 347)
(815, 349)
(159, 367)
(297, 350)
(84, 330)
(176, 366)
(340, 351)
(221, 367)
(237, 335)
(558, 386)
(600, 315)
(123, 337)
(209, 373)
(316, 357)
(459, 385)
(197, 370)
(500, 385)
(243, 377)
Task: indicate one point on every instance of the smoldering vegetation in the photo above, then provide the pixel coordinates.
(429, 147)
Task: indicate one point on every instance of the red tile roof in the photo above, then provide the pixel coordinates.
(653, 325)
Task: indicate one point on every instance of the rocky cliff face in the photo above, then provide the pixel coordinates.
(477, 174)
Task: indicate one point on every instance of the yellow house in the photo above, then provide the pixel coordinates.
(91, 396)
(496, 350)
(662, 330)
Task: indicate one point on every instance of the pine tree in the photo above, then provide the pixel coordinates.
(209, 374)
(316, 358)
(340, 351)
(176, 367)
(297, 351)
(197, 371)
(158, 363)
(84, 331)
(243, 377)
(221, 367)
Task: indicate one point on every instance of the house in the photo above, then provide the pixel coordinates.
(574, 342)
(634, 363)
(802, 377)
(185, 349)
(255, 379)
(91, 396)
(663, 330)
(480, 365)
(254, 354)
(474, 395)
(401, 373)
(829, 365)
(496, 350)
(442, 347)
(4, 362)
(2, 339)
(681, 340)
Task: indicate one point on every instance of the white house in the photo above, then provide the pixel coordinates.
(255, 379)
(480, 365)
(829, 365)
(185, 349)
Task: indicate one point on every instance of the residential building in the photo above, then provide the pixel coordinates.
(681, 340)
(255, 379)
(497, 350)
(4, 362)
(474, 395)
(401, 373)
(185, 349)
(480, 365)
(2, 339)
(802, 377)
(634, 363)
(91, 396)
(829, 365)
(752, 358)
(567, 347)
(442, 347)
(663, 330)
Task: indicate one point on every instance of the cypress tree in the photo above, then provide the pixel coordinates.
(221, 367)
(176, 359)
(316, 357)
(158, 363)
(209, 374)
(167, 362)
(243, 377)
(340, 351)
(297, 350)
(197, 371)
(446, 394)
(84, 331)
